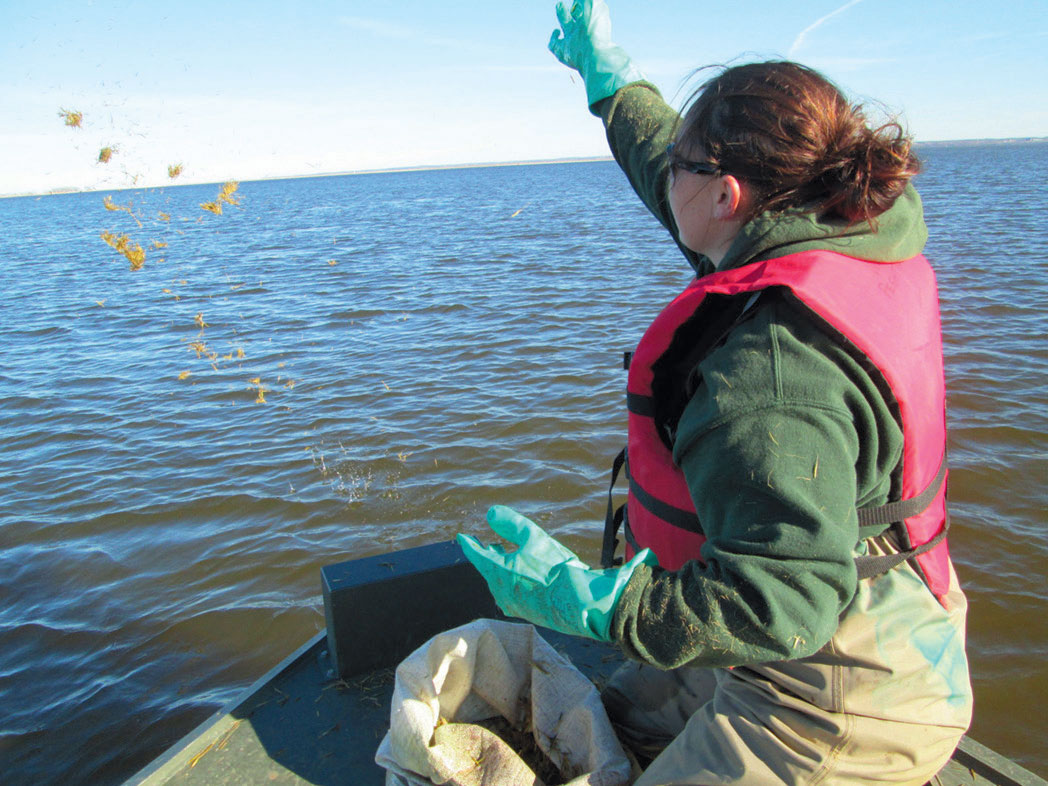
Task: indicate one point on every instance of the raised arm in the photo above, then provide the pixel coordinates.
(639, 124)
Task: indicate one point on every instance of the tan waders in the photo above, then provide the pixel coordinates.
(884, 701)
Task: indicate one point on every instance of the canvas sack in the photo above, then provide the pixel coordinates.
(488, 669)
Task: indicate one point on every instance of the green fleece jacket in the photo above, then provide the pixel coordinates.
(784, 437)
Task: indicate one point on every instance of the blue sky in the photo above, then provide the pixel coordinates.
(242, 90)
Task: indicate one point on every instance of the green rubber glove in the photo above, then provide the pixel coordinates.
(586, 46)
(544, 582)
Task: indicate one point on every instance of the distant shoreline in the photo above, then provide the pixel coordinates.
(973, 142)
(433, 168)
(344, 173)
(479, 165)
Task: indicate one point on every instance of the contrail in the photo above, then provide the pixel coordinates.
(799, 40)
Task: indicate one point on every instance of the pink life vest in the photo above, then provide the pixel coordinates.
(890, 312)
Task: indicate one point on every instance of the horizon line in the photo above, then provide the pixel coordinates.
(438, 167)
(343, 173)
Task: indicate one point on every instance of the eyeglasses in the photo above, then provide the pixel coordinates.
(695, 167)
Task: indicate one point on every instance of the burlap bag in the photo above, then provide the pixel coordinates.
(488, 669)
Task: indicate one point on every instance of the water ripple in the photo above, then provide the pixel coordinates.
(161, 537)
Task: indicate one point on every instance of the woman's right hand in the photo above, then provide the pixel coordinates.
(584, 43)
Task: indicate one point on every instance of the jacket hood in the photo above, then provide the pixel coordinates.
(897, 234)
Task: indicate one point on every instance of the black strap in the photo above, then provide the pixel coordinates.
(867, 567)
(615, 518)
(904, 508)
(612, 518)
(640, 405)
(686, 520)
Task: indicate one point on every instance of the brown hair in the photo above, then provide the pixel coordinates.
(792, 135)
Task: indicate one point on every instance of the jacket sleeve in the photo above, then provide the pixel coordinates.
(782, 439)
(639, 126)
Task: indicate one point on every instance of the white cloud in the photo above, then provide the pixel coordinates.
(799, 41)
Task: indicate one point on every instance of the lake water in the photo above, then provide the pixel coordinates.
(426, 344)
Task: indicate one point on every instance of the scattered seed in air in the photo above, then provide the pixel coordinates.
(225, 196)
(133, 252)
(71, 118)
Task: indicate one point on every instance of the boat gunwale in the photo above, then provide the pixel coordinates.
(972, 761)
(211, 730)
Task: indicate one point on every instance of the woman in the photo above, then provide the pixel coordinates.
(789, 605)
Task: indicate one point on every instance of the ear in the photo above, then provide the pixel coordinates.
(729, 198)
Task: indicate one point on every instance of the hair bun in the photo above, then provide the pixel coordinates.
(870, 171)
(791, 134)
